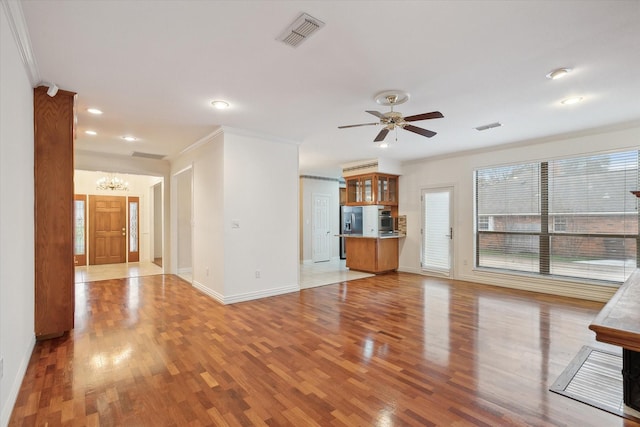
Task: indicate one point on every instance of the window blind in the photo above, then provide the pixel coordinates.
(572, 217)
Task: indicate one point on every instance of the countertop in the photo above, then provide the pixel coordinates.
(384, 236)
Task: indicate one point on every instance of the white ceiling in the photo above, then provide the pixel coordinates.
(153, 67)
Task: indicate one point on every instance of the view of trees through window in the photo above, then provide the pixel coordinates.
(571, 217)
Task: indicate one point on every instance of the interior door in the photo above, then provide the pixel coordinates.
(437, 231)
(107, 229)
(321, 228)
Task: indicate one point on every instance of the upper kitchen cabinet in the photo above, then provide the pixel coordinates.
(372, 189)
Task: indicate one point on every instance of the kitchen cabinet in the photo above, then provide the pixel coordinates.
(372, 255)
(372, 189)
(54, 119)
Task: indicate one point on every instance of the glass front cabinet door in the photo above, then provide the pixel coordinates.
(372, 189)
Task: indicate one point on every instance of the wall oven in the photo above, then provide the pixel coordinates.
(385, 222)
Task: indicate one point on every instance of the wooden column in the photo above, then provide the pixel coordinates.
(53, 173)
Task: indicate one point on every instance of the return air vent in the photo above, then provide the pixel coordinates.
(300, 30)
(148, 155)
(489, 126)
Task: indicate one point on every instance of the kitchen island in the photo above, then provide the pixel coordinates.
(372, 254)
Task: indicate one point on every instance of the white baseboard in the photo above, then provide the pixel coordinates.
(409, 270)
(246, 296)
(209, 292)
(569, 289)
(261, 294)
(17, 383)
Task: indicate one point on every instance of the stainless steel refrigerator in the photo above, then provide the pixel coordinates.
(350, 223)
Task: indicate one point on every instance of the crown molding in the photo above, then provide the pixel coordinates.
(198, 143)
(18, 26)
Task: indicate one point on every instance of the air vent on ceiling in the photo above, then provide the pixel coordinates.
(489, 126)
(148, 155)
(301, 29)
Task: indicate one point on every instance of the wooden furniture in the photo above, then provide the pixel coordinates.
(618, 323)
(372, 189)
(53, 181)
(372, 254)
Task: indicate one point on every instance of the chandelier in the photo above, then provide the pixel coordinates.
(112, 183)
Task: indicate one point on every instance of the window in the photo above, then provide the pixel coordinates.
(568, 218)
(559, 224)
(485, 223)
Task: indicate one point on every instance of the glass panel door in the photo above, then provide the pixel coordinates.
(437, 231)
(79, 230)
(134, 227)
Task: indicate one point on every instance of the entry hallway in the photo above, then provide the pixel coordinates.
(392, 350)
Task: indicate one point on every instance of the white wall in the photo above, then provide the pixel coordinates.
(308, 187)
(16, 220)
(261, 191)
(139, 186)
(184, 215)
(207, 165)
(156, 222)
(458, 171)
(252, 181)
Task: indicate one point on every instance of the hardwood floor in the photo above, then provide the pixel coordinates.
(392, 350)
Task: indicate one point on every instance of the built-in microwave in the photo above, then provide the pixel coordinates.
(385, 222)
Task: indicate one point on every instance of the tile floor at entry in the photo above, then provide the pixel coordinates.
(311, 274)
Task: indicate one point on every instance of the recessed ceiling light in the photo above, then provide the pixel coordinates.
(129, 138)
(572, 100)
(220, 105)
(383, 145)
(558, 73)
(94, 111)
(90, 132)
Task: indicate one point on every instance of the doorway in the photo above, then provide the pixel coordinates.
(437, 231)
(107, 229)
(321, 228)
(156, 217)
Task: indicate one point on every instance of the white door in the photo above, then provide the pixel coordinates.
(321, 228)
(437, 231)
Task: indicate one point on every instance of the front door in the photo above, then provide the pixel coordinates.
(321, 228)
(437, 231)
(107, 229)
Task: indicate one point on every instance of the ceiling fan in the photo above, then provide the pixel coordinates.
(392, 119)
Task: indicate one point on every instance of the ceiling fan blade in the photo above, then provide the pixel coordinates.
(419, 131)
(376, 113)
(425, 116)
(362, 124)
(382, 135)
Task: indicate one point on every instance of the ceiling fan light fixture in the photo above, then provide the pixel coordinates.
(558, 73)
(391, 97)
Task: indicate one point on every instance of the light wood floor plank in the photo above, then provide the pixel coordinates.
(392, 350)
